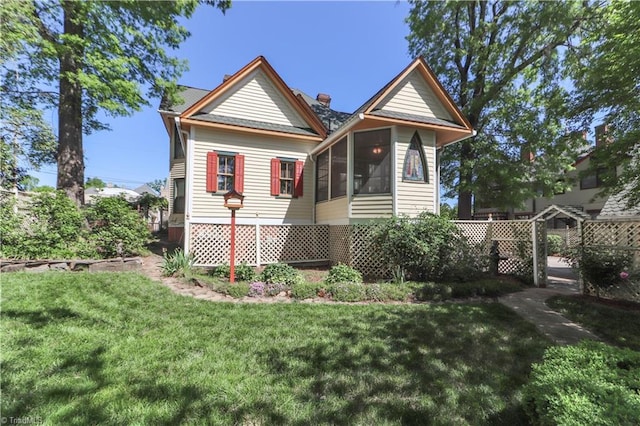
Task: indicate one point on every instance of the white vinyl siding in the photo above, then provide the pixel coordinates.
(333, 212)
(258, 151)
(414, 96)
(415, 197)
(371, 206)
(256, 98)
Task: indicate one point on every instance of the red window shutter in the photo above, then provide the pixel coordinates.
(238, 177)
(297, 182)
(212, 171)
(275, 176)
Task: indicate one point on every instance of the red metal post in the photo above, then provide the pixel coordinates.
(232, 255)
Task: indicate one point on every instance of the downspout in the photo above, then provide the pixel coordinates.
(186, 192)
(313, 199)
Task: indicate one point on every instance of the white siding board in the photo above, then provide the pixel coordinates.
(371, 207)
(256, 98)
(414, 96)
(332, 211)
(412, 197)
(258, 152)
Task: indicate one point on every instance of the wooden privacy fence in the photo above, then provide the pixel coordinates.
(521, 245)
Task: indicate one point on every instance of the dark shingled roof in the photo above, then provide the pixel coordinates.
(331, 119)
(189, 96)
(416, 118)
(616, 207)
(254, 124)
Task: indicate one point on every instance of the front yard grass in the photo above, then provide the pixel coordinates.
(619, 325)
(81, 348)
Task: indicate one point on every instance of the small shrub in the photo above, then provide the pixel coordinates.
(235, 290)
(305, 290)
(342, 273)
(221, 271)
(116, 228)
(555, 244)
(243, 272)
(177, 264)
(591, 383)
(425, 248)
(348, 292)
(602, 267)
(281, 273)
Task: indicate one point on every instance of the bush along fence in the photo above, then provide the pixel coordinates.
(609, 259)
(520, 245)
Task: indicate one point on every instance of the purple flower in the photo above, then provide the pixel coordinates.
(624, 275)
(256, 289)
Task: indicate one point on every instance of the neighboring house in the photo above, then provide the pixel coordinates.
(91, 193)
(146, 189)
(581, 196)
(299, 162)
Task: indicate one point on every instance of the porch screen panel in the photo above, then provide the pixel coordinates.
(322, 177)
(372, 162)
(339, 169)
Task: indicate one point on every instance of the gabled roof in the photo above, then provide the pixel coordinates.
(189, 96)
(371, 107)
(555, 209)
(449, 131)
(193, 114)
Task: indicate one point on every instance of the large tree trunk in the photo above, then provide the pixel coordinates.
(70, 155)
(465, 196)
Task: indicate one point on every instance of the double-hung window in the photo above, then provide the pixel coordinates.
(225, 172)
(286, 177)
(178, 196)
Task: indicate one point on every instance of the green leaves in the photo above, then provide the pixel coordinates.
(502, 63)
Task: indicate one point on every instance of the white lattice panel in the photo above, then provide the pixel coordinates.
(211, 244)
(293, 243)
(611, 233)
(339, 244)
(363, 255)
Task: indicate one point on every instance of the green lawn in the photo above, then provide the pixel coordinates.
(620, 326)
(82, 348)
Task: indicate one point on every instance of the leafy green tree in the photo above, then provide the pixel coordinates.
(606, 73)
(502, 63)
(156, 185)
(98, 56)
(95, 182)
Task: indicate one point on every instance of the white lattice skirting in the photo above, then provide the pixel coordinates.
(348, 244)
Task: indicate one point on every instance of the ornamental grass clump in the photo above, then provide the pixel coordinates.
(177, 264)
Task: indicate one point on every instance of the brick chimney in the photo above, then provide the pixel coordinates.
(324, 99)
(601, 134)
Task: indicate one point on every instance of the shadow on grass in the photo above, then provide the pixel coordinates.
(28, 397)
(40, 318)
(413, 367)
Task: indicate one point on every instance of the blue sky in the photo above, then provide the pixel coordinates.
(346, 49)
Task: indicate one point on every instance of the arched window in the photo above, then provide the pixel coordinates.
(415, 165)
